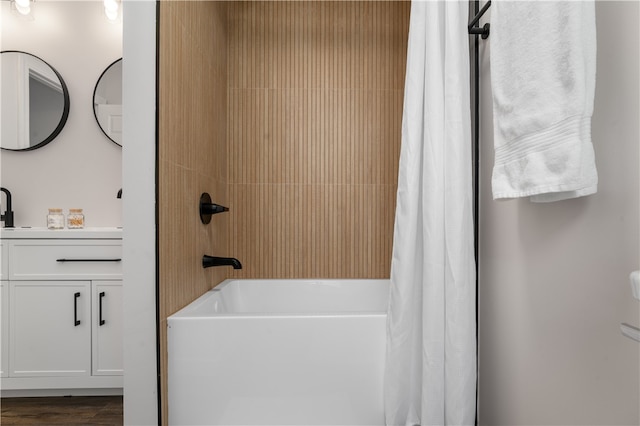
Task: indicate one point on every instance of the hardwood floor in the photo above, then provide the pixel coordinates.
(75, 410)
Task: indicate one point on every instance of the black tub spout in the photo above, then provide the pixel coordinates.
(209, 261)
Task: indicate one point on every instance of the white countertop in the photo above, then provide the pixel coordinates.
(44, 233)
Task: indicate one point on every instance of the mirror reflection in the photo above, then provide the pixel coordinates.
(107, 102)
(35, 101)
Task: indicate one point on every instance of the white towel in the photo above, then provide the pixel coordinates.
(543, 66)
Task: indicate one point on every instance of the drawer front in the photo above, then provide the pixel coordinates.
(4, 260)
(68, 260)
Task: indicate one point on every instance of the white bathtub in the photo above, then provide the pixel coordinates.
(279, 352)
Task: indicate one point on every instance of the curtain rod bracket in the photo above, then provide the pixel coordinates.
(483, 32)
(474, 27)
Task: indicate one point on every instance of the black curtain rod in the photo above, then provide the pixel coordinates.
(474, 26)
(474, 29)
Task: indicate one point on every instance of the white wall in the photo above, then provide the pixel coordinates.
(139, 199)
(81, 167)
(554, 277)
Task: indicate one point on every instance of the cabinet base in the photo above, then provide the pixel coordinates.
(60, 386)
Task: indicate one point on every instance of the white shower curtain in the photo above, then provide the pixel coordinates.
(430, 376)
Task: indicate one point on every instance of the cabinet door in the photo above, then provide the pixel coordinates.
(50, 328)
(4, 328)
(4, 260)
(107, 328)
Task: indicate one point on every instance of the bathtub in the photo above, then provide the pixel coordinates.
(279, 352)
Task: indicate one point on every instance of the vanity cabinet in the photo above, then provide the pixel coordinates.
(63, 297)
(106, 328)
(4, 328)
(4, 261)
(53, 321)
(4, 310)
(50, 328)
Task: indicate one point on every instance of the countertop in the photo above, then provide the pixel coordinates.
(44, 233)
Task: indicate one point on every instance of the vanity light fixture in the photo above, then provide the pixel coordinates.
(111, 8)
(23, 7)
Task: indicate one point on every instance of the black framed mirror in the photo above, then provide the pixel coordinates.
(107, 102)
(35, 101)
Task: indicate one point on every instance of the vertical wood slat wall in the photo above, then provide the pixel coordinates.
(315, 107)
(289, 113)
(192, 148)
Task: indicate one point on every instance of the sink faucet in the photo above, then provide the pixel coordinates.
(7, 216)
(208, 261)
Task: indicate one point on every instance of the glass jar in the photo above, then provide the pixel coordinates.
(75, 219)
(55, 219)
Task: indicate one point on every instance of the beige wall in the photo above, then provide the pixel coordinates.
(554, 277)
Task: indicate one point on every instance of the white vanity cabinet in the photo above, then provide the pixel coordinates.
(64, 292)
(4, 310)
(106, 328)
(50, 329)
(4, 328)
(4, 261)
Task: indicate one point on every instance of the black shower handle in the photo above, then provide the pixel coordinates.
(208, 208)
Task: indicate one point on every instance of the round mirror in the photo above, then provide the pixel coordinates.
(107, 102)
(35, 101)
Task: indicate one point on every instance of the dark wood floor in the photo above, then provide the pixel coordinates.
(73, 410)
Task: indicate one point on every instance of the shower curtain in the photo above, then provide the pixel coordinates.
(430, 374)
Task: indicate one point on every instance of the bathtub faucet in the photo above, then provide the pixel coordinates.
(209, 261)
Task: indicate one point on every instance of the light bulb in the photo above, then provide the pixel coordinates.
(23, 6)
(111, 9)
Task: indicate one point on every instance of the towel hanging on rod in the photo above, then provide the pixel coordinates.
(542, 113)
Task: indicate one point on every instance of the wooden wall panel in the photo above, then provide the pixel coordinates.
(326, 231)
(192, 155)
(318, 44)
(315, 108)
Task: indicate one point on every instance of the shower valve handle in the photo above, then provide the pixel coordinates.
(207, 208)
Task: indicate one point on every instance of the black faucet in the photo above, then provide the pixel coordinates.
(7, 216)
(209, 261)
(119, 194)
